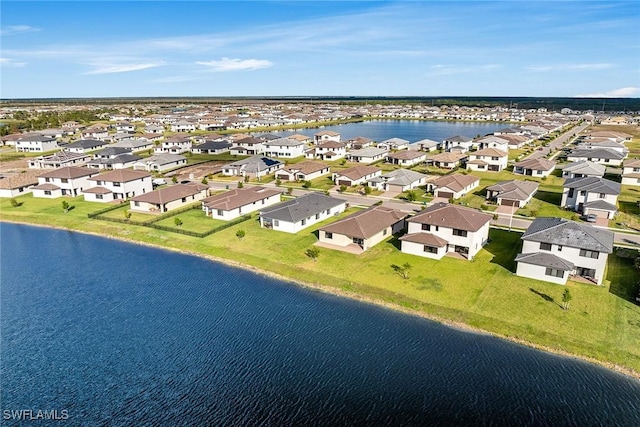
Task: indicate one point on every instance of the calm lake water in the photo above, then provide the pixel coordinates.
(411, 130)
(119, 334)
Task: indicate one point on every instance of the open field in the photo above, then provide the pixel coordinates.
(602, 323)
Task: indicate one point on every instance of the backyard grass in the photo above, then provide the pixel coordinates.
(602, 322)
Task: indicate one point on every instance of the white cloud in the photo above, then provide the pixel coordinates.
(11, 30)
(236, 64)
(569, 67)
(624, 92)
(8, 62)
(121, 68)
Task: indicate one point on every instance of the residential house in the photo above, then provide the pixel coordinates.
(183, 126)
(13, 185)
(248, 146)
(58, 160)
(492, 141)
(367, 155)
(135, 144)
(156, 129)
(174, 145)
(253, 167)
(591, 195)
(453, 186)
(488, 159)
(35, 144)
(356, 175)
(118, 184)
(95, 132)
(534, 167)
(360, 142)
(83, 146)
(603, 156)
(631, 172)
(241, 201)
(212, 147)
(168, 198)
(427, 144)
(160, 162)
(583, 168)
(300, 138)
(125, 127)
(407, 158)
(447, 160)
(458, 142)
(512, 193)
(303, 171)
(325, 136)
(394, 144)
(442, 228)
(328, 151)
(516, 141)
(553, 249)
(119, 161)
(284, 147)
(66, 181)
(362, 230)
(398, 180)
(302, 212)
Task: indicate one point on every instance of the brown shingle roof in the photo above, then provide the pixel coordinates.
(452, 216)
(120, 175)
(169, 194)
(366, 223)
(492, 152)
(537, 164)
(306, 167)
(425, 239)
(358, 172)
(233, 199)
(69, 172)
(448, 157)
(406, 155)
(455, 181)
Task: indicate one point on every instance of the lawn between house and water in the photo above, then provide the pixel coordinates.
(602, 324)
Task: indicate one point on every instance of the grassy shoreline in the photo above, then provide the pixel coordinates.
(402, 298)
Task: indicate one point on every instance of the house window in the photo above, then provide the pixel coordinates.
(184, 199)
(602, 195)
(328, 235)
(553, 272)
(461, 233)
(426, 227)
(116, 184)
(47, 192)
(276, 223)
(570, 192)
(494, 158)
(47, 180)
(64, 180)
(559, 248)
(384, 232)
(317, 216)
(583, 192)
(136, 203)
(545, 246)
(304, 222)
(99, 196)
(589, 254)
(430, 249)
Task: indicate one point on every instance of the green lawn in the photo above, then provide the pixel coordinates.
(484, 293)
(192, 220)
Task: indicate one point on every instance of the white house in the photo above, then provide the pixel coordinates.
(35, 144)
(241, 201)
(329, 150)
(487, 159)
(398, 180)
(512, 193)
(427, 144)
(183, 126)
(135, 144)
(66, 181)
(95, 132)
(534, 167)
(583, 168)
(603, 156)
(59, 160)
(492, 141)
(254, 167)
(356, 175)
(168, 198)
(326, 135)
(367, 155)
(458, 142)
(631, 172)
(118, 185)
(284, 147)
(13, 185)
(302, 212)
(442, 228)
(212, 147)
(392, 144)
(303, 171)
(553, 249)
(453, 186)
(447, 160)
(174, 145)
(362, 230)
(160, 162)
(83, 146)
(591, 195)
(407, 158)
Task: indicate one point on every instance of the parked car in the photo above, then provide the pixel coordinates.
(159, 181)
(591, 218)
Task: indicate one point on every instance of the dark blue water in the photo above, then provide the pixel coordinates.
(411, 130)
(118, 334)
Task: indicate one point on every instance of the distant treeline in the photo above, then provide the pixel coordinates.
(608, 105)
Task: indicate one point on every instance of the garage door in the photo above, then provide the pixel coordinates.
(344, 182)
(504, 202)
(444, 194)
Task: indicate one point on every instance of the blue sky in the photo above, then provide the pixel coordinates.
(329, 48)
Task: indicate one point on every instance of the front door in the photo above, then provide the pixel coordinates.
(586, 272)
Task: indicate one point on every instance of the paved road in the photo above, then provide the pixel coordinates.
(559, 142)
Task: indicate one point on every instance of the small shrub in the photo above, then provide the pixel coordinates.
(240, 184)
(65, 206)
(178, 222)
(343, 188)
(204, 181)
(14, 203)
(484, 207)
(240, 234)
(174, 179)
(306, 184)
(312, 253)
(367, 190)
(289, 191)
(278, 182)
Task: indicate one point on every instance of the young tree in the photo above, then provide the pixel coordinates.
(127, 215)
(240, 234)
(306, 184)
(65, 206)
(278, 182)
(402, 270)
(240, 184)
(204, 181)
(14, 203)
(178, 222)
(411, 196)
(566, 299)
(289, 191)
(367, 190)
(312, 253)
(343, 188)
(174, 179)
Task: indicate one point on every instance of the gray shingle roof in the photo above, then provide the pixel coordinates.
(593, 184)
(545, 260)
(402, 177)
(560, 231)
(300, 208)
(597, 153)
(585, 167)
